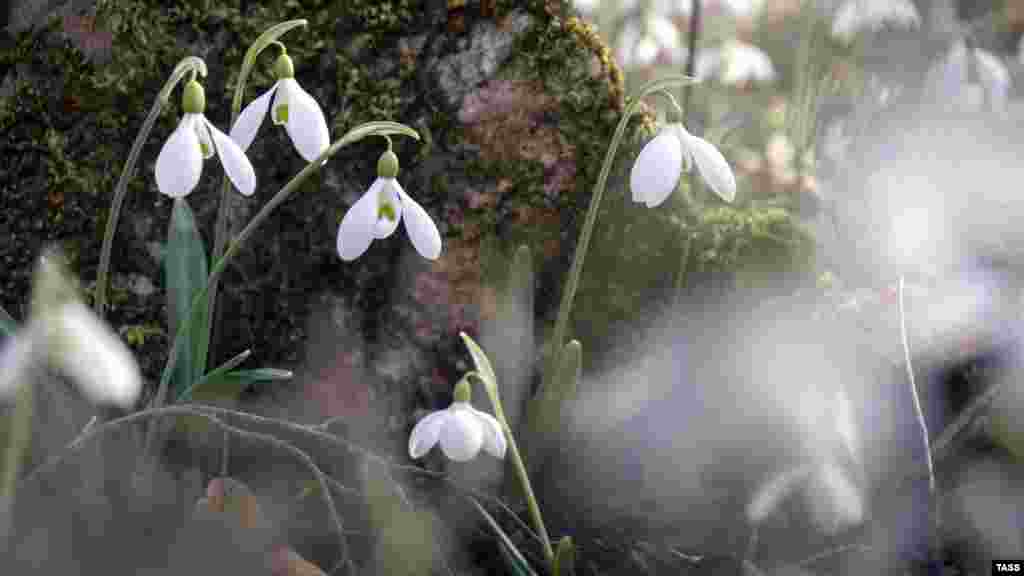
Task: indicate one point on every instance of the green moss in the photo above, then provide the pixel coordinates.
(754, 244)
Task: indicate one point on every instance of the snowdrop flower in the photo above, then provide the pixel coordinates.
(65, 334)
(743, 63)
(181, 159)
(293, 107)
(639, 47)
(461, 429)
(377, 213)
(855, 16)
(949, 79)
(662, 161)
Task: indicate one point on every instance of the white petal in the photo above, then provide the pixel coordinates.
(356, 230)
(249, 121)
(656, 171)
(947, 77)
(420, 227)
(90, 353)
(388, 194)
(180, 162)
(234, 161)
(835, 501)
(425, 433)
(462, 435)
(206, 146)
(995, 77)
(306, 124)
(494, 438)
(711, 164)
(15, 361)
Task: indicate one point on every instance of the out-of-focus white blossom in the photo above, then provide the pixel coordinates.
(949, 79)
(743, 63)
(65, 334)
(856, 16)
(635, 48)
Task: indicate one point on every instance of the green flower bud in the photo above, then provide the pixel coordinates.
(52, 285)
(283, 67)
(463, 393)
(387, 165)
(193, 98)
(565, 557)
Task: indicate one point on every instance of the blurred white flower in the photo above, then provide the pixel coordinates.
(376, 216)
(834, 499)
(856, 16)
(948, 80)
(180, 162)
(662, 161)
(462, 431)
(635, 48)
(293, 107)
(66, 335)
(743, 63)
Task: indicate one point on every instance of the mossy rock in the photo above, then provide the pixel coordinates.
(515, 107)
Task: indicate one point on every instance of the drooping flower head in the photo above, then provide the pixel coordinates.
(180, 162)
(856, 16)
(376, 214)
(65, 334)
(663, 160)
(461, 429)
(292, 108)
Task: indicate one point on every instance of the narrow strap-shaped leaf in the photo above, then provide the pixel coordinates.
(230, 385)
(214, 375)
(519, 564)
(7, 323)
(185, 268)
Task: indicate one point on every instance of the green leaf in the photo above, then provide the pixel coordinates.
(483, 365)
(8, 325)
(214, 375)
(186, 271)
(517, 563)
(230, 385)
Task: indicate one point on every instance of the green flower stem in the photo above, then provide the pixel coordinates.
(352, 136)
(220, 236)
(561, 324)
(18, 441)
(189, 65)
(520, 468)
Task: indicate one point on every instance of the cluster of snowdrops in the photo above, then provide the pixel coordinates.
(64, 333)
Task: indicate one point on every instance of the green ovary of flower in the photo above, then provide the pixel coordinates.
(386, 210)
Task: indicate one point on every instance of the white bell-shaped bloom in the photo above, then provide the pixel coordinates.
(743, 63)
(294, 108)
(376, 216)
(637, 47)
(68, 336)
(662, 161)
(88, 351)
(948, 80)
(462, 431)
(855, 16)
(181, 159)
(834, 499)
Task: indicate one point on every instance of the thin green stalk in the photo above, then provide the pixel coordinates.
(561, 324)
(932, 494)
(17, 443)
(517, 463)
(190, 64)
(354, 135)
(265, 40)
